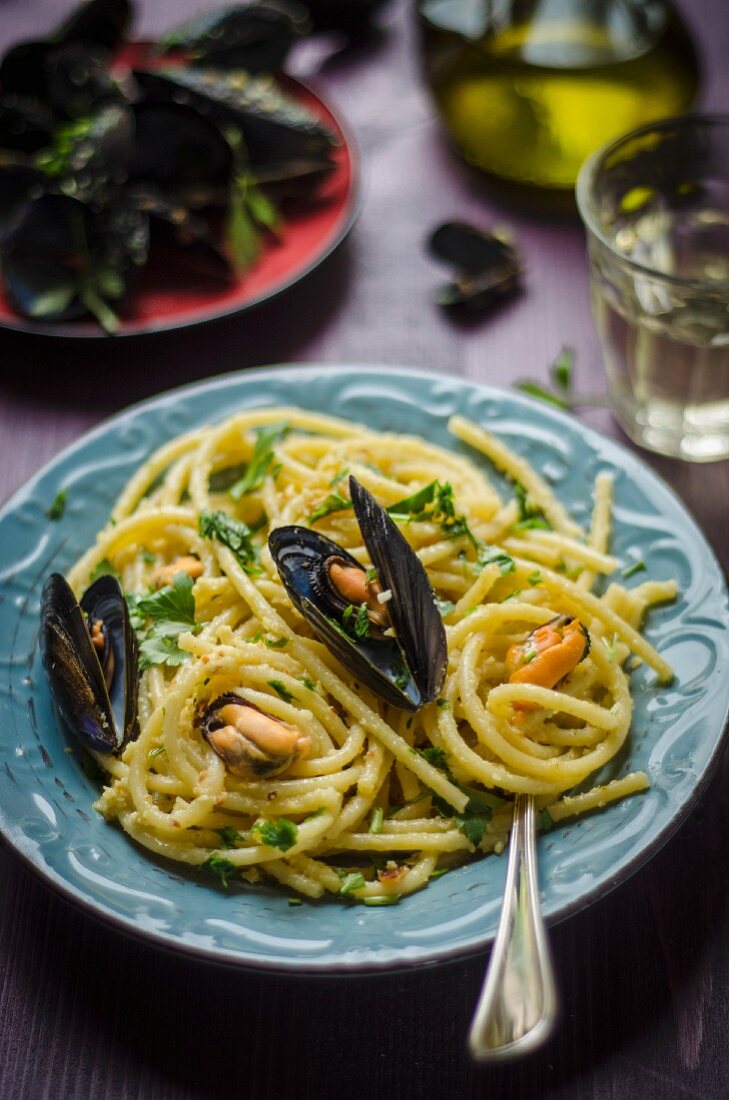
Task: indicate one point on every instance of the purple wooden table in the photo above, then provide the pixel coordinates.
(644, 974)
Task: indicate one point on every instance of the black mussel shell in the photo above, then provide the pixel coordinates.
(405, 671)
(25, 124)
(23, 69)
(180, 152)
(61, 259)
(19, 183)
(171, 222)
(255, 35)
(488, 266)
(90, 158)
(103, 718)
(274, 126)
(349, 16)
(78, 82)
(413, 608)
(100, 23)
(375, 660)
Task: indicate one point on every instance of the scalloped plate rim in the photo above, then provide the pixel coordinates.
(394, 958)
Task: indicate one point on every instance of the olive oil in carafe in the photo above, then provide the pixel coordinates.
(529, 101)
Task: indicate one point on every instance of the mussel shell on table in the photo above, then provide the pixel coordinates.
(96, 696)
(255, 35)
(406, 670)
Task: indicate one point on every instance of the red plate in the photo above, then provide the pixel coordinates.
(168, 296)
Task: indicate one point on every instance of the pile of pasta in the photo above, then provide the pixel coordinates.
(385, 799)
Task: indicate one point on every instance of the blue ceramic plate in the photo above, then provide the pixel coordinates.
(45, 798)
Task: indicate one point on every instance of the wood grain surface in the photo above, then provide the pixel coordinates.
(644, 973)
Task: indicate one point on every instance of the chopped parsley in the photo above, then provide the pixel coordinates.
(351, 883)
(102, 569)
(434, 503)
(221, 480)
(154, 753)
(234, 534)
(631, 570)
(147, 556)
(229, 837)
(221, 867)
(371, 574)
(477, 813)
(442, 704)
(279, 833)
(611, 647)
(174, 602)
(535, 578)
(295, 901)
(492, 555)
(436, 756)
(560, 373)
(281, 691)
(530, 514)
(335, 502)
(261, 461)
(376, 820)
(270, 643)
(445, 607)
(58, 506)
(389, 899)
(362, 622)
(172, 611)
(308, 683)
(338, 478)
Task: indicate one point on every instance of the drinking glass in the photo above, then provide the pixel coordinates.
(656, 207)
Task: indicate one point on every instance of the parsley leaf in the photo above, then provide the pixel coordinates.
(436, 756)
(530, 514)
(159, 646)
(234, 534)
(279, 833)
(281, 691)
(221, 867)
(631, 570)
(362, 622)
(172, 611)
(260, 462)
(445, 607)
(56, 509)
(492, 555)
(536, 389)
(173, 603)
(102, 569)
(535, 578)
(351, 883)
(229, 837)
(473, 826)
(308, 683)
(561, 370)
(335, 502)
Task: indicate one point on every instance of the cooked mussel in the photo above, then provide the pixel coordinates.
(383, 625)
(548, 654)
(89, 653)
(252, 743)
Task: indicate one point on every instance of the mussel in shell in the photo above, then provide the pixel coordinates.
(252, 743)
(385, 627)
(487, 265)
(89, 653)
(255, 35)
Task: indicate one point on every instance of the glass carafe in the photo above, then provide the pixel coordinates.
(529, 88)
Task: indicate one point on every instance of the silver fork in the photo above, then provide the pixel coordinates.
(517, 1009)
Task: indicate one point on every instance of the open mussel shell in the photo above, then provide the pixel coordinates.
(180, 152)
(406, 670)
(487, 265)
(255, 35)
(96, 695)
